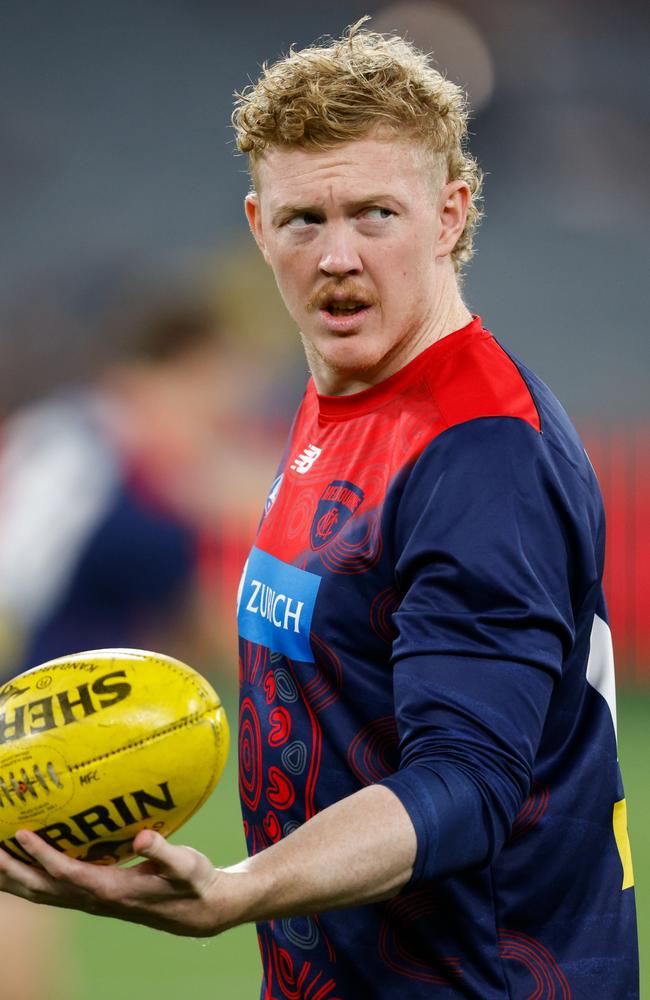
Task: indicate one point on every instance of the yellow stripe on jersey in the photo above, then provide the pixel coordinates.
(623, 842)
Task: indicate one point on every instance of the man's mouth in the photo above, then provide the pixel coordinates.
(345, 308)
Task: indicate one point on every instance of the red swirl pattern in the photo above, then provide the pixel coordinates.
(374, 751)
(548, 980)
(279, 789)
(269, 687)
(282, 975)
(251, 662)
(381, 614)
(324, 687)
(250, 754)
(272, 827)
(357, 554)
(532, 811)
(299, 515)
(280, 726)
(399, 935)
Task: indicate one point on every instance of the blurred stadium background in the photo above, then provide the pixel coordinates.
(118, 184)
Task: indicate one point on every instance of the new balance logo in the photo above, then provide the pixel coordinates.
(306, 459)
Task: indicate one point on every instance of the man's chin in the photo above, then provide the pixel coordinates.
(348, 357)
(342, 372)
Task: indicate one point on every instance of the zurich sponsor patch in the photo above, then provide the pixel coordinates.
(338, 503)
(276, 604)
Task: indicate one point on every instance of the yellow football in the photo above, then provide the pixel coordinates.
(98, 745)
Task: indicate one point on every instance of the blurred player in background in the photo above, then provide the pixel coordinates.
(103, 491)
(428, 764)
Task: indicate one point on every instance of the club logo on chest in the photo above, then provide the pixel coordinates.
(339, 501)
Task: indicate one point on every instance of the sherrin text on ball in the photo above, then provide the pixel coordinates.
(98, 745)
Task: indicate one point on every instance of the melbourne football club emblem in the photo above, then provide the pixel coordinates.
(336, 506)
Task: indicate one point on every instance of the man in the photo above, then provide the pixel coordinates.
(427, 746)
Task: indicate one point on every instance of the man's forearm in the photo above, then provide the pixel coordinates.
(359, 850)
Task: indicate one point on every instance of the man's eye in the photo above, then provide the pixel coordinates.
(302, 219)
(376, 213)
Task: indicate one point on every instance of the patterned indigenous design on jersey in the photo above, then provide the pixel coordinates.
(423, 608)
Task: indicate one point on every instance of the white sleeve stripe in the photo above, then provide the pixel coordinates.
(600, 666)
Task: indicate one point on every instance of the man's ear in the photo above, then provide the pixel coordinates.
(254, 215)
(453, 204)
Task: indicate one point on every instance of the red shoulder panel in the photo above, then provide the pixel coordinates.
(481, 380)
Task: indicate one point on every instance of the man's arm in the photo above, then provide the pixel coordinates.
(359, 850)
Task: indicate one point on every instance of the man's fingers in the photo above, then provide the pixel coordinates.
(59, 868)
(162, 859)
(170, 862)
(168, 873)
(53, 861)
(144, 841)
(161, 891)
(23, 880)
(149, 844)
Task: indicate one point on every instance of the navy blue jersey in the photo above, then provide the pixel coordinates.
(423, 608)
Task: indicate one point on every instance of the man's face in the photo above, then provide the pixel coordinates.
(357, 240)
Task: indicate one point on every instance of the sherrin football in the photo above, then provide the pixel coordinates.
(98, 745)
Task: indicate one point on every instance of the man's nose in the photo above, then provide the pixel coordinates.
(340, 256)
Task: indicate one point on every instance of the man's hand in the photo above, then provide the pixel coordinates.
(359, 850)
(175, 889)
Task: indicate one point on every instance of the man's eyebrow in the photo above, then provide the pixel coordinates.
(288, 210)
(381, 197)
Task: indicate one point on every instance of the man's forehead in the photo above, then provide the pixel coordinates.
(367, 161)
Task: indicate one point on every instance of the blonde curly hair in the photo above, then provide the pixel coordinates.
(343, 89)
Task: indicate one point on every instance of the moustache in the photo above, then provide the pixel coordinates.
(341, 291)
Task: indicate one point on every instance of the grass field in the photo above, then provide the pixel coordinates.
(106, 959)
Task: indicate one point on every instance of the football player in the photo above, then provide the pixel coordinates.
(428, 763)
